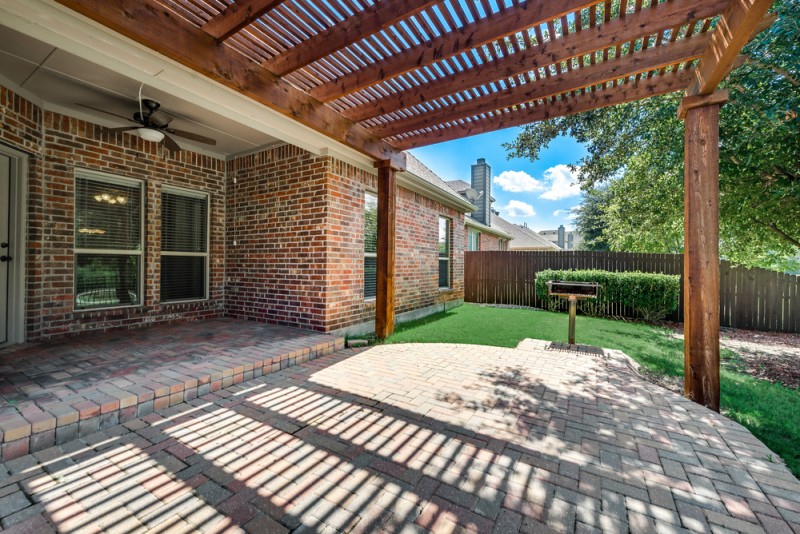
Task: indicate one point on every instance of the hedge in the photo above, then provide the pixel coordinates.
(652, 296)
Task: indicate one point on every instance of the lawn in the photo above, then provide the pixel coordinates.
(770, 411)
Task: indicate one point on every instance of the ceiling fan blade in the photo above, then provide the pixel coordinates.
(171, 144)
(193, 136)
(160, 119)
(123, 129)
(106, 112)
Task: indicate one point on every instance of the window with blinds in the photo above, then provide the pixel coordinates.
(370, 244)
(184, 245)
(108, 241)
(444, 253)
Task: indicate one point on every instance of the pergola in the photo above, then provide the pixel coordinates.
(390, 75)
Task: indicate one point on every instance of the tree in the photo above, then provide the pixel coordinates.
(636, 150)
(590, 220)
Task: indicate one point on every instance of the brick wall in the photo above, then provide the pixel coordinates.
(489, 242)
(58, 145)
(286, 230)
(276, 236)
(297, 221)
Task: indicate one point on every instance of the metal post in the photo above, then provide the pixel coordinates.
(573, 306)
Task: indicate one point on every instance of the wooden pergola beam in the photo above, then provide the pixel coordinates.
(384, 275)
(374, 18)
(628, 92)
(658, 18)
(515, 19)
(599, 73)
(238, 15)
(738, 24)
(155, 27)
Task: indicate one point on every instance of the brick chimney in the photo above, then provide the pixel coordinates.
(482, 183)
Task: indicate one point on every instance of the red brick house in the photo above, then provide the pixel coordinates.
(108, 230)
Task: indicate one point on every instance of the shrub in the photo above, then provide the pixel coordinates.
(652, 296)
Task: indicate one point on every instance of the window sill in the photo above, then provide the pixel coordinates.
(445, 289)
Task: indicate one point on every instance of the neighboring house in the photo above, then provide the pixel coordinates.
(563, 238)
(524, 238)
(485, 229)
(108, 230)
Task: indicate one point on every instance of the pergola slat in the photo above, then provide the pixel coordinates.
(645, 88)
(499, 25)
(238, 15)
(653, 58)
(736, 27)
(658, 18)
(375, 18)
(147, 23)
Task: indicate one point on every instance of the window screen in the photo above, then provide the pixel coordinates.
(108, 241)
(370, 244)
(184, 246)
(444, 252)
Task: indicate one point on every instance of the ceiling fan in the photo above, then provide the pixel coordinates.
(152, 124)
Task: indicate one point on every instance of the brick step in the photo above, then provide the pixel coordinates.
(28, 427)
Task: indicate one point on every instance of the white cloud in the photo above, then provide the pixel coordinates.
(569, 214)
(518, 182)
(517, 208)
(562, 183)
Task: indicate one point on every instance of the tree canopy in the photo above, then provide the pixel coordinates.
(633, 175)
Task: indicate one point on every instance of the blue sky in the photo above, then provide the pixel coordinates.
(538, 193)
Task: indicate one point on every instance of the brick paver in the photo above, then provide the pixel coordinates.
(51, 393)
(415, 438)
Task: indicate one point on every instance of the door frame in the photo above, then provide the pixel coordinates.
(18, 202)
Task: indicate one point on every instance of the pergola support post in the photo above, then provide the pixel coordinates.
(701, 247)
(384, 297)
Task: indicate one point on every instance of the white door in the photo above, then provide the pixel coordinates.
(5, 247)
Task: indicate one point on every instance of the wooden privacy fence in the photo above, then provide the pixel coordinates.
(749, 298)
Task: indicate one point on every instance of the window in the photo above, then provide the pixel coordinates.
(503, 244)
(444, 252)
(108, 241)
(370, 244)
(473, 240)
(184, 245)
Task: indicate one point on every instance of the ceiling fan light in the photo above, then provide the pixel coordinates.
(148, 134)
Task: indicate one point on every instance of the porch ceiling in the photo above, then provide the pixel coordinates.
(66, 82)
(396, 74)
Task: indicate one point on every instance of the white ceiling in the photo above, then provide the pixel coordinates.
(62, 81)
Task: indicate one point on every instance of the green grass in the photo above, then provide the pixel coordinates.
(770, 411)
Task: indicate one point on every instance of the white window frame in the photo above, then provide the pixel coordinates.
(170, 189)
(471, 232)
(449, 227)
(98, 176)
(368, 254)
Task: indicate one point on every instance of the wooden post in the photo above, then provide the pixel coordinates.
(384, 297)
(701, 248)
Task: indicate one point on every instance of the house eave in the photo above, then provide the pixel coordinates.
(414, 183)
(472, 223)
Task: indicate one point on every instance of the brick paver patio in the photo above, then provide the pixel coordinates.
(414, 438)
(52, 393)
